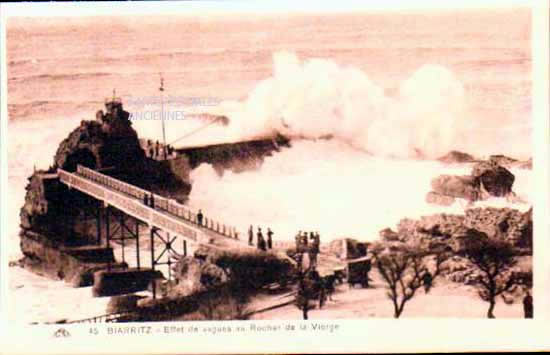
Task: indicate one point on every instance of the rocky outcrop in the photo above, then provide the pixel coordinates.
(487, 179)
(505, 223)
(236, 157)
(55, 240)
(247, 270)
(193, 275)
(451, 232)
(456, 157)
(493, 178)
(455, 186)
(503, 160)
(98, 145)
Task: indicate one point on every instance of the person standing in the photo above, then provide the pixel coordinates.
(427, 280)
(314, 249)
(528, 305)
(200, 216)
(269, 238)
(317, 242)
(250, 235)
(298, 239)
(261, 241)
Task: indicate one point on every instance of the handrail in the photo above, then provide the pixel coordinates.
(168, 205)
(129, 204)
(107, 318)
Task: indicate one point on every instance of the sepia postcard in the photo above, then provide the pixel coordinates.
(272, 177)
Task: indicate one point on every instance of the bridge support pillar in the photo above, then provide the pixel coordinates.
(122, 231)
(98, 226)
(137, 244)
(107, 231)
(153, 263)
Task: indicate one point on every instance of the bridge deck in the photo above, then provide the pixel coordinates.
(167, 214)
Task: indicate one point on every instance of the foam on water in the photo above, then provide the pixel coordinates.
(333, 188)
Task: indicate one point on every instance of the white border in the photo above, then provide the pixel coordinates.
(372, 335)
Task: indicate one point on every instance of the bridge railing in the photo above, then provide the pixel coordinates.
(104, 318)
(166, 204)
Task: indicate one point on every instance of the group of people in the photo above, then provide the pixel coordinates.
(261, 242)
(157, 151)
(308, 243)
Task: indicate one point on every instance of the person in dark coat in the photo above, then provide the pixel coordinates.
(269, 239)
(250, 235)
(427, 279)
(528, 305)
(304, 240)
(298, 240)
(157, 148)
(317, 242)
(200, 217)
(261, 240)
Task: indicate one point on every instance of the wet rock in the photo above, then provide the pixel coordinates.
(100, 144)
(493, 178)
(456, 186)
(236, 157)
(456, 157)
(502, 160)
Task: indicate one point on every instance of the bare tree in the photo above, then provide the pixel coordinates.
(403, 271)
(494, 259)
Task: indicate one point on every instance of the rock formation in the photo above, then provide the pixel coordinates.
(448, 232)
(209, 268)
(487, 178)
(55, 240)
(236, 157)
(456, 157)
(493, 178)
